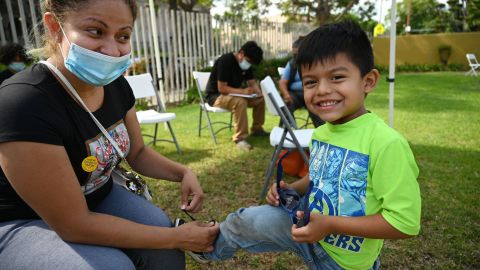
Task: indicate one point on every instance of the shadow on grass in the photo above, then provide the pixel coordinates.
(188, 156)
(449, 175)
(448, 179)
(449, 183)
(232, 182)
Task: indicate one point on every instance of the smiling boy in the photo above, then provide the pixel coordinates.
(363, 172)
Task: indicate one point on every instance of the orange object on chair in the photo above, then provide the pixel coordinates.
(303, 171)
(293, 164)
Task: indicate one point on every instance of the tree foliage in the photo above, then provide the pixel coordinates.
(186, 5)
(473, 15)
(247, 9)
(364, 16)
(431, 16)
(316, 12)
(426, 16)
(324, 11)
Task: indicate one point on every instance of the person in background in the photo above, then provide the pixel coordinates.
(291, 87)
(14, 57)
(229, 72)
(59, 207)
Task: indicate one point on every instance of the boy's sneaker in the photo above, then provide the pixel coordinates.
(196, 256)
(243, 145)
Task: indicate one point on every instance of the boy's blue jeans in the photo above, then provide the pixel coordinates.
(267, 229)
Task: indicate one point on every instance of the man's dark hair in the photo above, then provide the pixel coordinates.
(252, 51)
(327, 41)
(10, 50)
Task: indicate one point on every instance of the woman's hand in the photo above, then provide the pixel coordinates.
(272, 196)
(190, 187)
(197, 236)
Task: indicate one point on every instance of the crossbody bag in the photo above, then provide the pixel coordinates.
(129, 180)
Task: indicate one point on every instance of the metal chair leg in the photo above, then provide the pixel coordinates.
(200, 122)
(269, 172)
(174, 138)
(211, 128)
(155, 134)
(276, 152)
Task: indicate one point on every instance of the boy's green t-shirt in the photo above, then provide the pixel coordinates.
(362, 168)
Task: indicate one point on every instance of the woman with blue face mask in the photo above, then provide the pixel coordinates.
(14, 58)
(59, 207)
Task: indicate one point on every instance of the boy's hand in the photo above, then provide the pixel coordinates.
(272, 196)
(318, 227)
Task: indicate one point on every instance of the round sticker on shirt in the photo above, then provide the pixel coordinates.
(89, 164)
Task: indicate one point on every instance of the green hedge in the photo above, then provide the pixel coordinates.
(423, 68)
(269, 68)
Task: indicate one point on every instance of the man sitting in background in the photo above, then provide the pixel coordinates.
(226, 78)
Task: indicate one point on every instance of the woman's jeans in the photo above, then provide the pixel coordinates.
(32, 244)
(267, 229)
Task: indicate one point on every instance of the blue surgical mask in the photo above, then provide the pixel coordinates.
(92, 67)
(244, 65)
(16, 66)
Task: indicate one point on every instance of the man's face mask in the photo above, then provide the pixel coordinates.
(16, 66)
(92, 67)
(244, 65)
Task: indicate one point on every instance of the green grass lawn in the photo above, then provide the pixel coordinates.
(439, 114)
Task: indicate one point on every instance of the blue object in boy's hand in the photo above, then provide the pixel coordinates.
(290, 199)
(302, 222)
(306, 210)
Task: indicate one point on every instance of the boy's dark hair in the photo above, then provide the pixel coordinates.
(329, 40)
(10, 50)
(252, 51)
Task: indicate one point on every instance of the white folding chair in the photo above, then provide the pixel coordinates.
(201, 78)
(287, 137)
(473, 63)
(142, 86)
